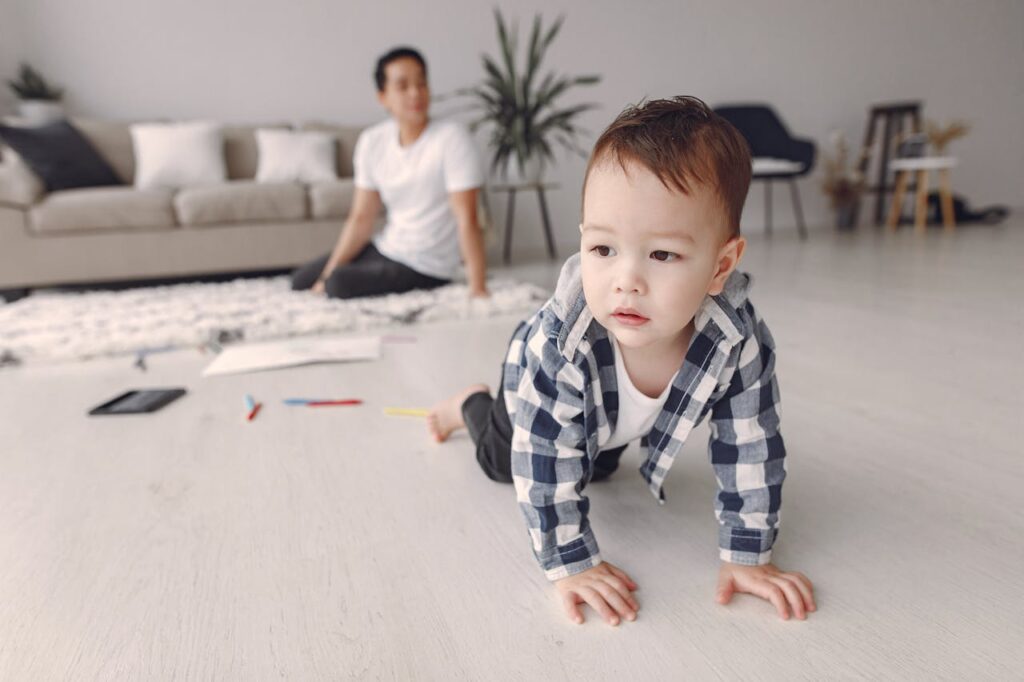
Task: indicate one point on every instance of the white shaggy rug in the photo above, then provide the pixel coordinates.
(62, 326)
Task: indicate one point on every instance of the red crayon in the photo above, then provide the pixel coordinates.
(255, 411)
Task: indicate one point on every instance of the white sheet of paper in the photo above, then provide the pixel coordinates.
(289, 353)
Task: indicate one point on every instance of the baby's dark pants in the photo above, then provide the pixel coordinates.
(491, 430)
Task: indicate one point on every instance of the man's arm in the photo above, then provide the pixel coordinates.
(471, 239)
(356, 233)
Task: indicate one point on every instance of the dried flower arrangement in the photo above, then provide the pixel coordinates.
(941, 136)
(842, 184)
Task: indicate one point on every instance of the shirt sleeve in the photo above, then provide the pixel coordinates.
(362, 164)
(748, 454)
(462, 166)
(545, 394)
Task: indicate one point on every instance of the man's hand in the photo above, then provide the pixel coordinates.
(786, 590)
(318, 287)
(479, 293)
(607, 589)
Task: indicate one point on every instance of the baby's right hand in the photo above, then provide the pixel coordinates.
(607, 589)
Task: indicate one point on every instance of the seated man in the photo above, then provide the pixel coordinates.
(427, 174)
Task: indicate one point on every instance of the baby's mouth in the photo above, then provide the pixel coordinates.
(629, 317)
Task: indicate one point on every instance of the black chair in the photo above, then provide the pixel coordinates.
(777, 154)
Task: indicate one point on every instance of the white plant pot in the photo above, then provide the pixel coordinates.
(533, 170)
(40, 112)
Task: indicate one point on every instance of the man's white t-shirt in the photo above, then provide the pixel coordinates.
(414, 182)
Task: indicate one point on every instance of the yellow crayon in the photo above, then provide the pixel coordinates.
(405, 412)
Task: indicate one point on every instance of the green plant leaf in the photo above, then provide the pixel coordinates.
(508, 49)
(521, 115)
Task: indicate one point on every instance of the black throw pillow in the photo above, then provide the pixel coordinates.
(60, 156)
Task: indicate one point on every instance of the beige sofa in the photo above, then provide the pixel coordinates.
(106, 234)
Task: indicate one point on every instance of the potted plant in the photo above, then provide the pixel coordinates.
(843, 184)
(38, 100)
(521, 109)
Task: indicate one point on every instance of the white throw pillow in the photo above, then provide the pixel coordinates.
(295, 155)
(178, 154)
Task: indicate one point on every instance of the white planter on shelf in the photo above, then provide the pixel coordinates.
(532, 172)
(40, 112)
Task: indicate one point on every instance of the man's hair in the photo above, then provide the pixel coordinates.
(683, 142)
(391, 55)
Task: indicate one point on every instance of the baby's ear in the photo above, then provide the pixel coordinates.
(729, 256)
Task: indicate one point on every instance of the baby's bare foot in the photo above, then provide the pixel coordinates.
(446, 416)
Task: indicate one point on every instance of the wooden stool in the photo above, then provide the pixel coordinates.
(892, 115)
(922, 166)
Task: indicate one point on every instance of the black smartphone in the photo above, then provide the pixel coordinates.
(139, 401)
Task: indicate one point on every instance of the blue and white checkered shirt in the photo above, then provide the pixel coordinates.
(560, 390)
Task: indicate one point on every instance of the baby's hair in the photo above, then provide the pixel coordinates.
(683, 142)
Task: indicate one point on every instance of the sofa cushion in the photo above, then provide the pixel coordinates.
(346, 136)
(331, 198)
(176, 155)
(240, 150)
(240, 201)
(296, 156)
(19, 186)
(113, 141)
(61, 156)
(103, 208)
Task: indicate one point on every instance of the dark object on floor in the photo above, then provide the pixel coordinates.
(139, 401)
(892, 115)
(963, 214)
(769, 139)
(60, 156)
(9, 359)
(12, 295)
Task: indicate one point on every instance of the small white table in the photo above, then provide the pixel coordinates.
(539, 188)
(922, 166)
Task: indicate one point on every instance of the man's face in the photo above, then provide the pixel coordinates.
(649, 255)
(406, 94)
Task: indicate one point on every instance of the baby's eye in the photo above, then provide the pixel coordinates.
(664, 256)
(602, 250)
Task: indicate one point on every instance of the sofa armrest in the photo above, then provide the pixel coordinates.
(19, 186)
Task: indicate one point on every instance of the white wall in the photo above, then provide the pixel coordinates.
(820, 63)
(10, 50)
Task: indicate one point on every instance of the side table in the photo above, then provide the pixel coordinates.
(512, 189)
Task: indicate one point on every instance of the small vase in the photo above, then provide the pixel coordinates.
(38, 112)
(845, 217)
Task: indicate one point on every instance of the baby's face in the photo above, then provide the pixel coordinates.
(649, 255)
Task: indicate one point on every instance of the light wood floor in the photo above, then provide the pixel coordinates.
(342, 544)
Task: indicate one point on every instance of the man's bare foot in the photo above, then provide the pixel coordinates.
(446, 416)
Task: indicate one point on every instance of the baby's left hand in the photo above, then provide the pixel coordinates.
(786, 590)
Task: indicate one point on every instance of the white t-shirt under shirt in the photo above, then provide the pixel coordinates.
(414, 182)
(637, 412)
